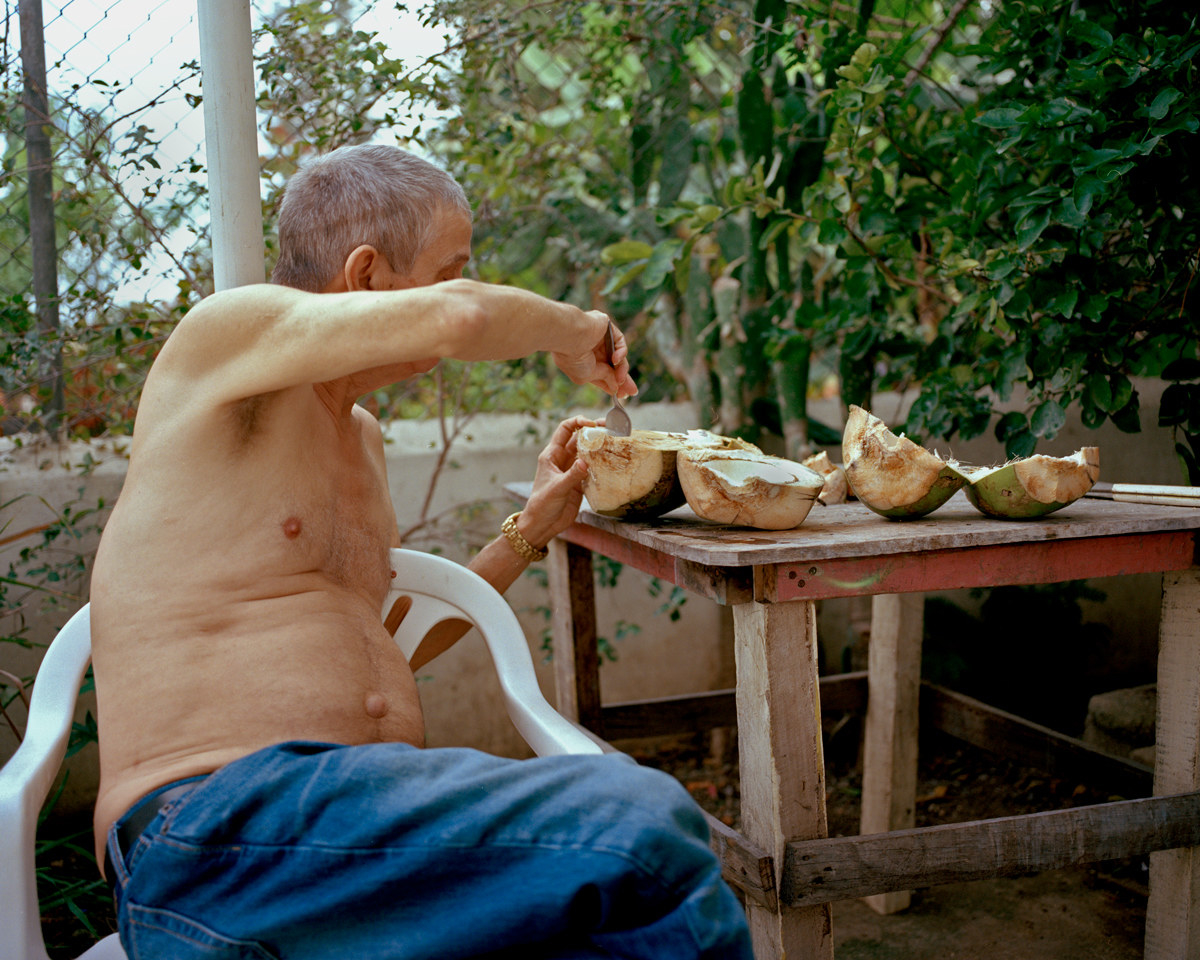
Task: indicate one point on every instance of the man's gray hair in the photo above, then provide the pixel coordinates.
(365, 194)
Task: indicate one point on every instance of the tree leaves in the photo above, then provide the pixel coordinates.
(1013, 220)
(999, 118)
(1162, 102)
(1048, 419)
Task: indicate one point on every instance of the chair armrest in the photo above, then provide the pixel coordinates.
(459, 593)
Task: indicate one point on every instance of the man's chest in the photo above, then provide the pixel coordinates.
(336, 511)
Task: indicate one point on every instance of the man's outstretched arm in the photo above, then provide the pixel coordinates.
(255, 340)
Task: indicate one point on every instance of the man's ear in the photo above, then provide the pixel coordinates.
(368, 269)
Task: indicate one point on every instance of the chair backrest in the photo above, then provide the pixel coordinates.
(439, 588)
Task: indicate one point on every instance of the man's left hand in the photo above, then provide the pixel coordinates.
(557, 485)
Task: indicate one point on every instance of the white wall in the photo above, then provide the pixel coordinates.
(459, 692)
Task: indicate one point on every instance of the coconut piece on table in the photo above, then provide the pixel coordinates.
(635, 477)
(1032, 486)
(748, 488)
(835, 489)
(891, 474)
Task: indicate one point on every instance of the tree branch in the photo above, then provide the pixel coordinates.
(935, 41)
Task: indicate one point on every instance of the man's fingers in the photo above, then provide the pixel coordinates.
(622, 382)
(566, 433)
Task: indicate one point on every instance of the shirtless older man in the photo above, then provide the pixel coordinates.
(263, 788)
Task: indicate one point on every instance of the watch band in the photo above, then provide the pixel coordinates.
(522, 547)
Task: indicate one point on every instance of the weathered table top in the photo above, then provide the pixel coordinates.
(841, 550)
(852, 530)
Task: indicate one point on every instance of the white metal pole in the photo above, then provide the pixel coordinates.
(231, 142)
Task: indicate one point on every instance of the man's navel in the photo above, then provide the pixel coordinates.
(292, 527)
(376, 706)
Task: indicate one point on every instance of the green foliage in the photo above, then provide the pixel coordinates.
(1066, 206)
(324, 83)
(1002, 204)
(69, 884)
(1180, 410)
(118, 206)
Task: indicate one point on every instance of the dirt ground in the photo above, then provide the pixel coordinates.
(1090, 912)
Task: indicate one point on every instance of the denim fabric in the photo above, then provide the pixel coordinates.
(312, 850)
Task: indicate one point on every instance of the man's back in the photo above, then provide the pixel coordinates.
(237, 591)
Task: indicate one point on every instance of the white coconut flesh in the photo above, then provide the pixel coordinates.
(835, 489)
(746, 488)
(890, 473)
(635, 477)
(1059, 479)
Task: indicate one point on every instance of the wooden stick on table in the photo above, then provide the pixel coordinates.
(1162, 494)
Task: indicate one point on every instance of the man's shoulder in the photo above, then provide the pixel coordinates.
(251, 302)
(223, 326)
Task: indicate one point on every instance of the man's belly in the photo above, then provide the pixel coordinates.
(173, 707)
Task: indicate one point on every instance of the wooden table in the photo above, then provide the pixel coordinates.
(783, 861)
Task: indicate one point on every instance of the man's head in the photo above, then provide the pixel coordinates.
(373, 196)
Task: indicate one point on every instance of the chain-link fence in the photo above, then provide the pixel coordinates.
(104, 229)
(102, 221)
(103, 200)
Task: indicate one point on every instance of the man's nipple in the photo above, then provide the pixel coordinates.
(292, 527)
(376, 706)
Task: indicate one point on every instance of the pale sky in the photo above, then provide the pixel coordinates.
(136, 48)
(123, 54)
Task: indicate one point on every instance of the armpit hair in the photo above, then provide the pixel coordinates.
(247, 416)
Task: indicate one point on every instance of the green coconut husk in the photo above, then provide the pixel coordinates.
(894, 476)
(1032, 486)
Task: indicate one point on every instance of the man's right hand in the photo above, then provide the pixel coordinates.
(593, 366)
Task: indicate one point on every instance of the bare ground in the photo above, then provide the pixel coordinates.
(1089, 912)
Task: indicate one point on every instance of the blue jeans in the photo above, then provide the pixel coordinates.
(314, 850)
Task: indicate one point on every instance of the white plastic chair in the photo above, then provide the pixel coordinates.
(440, 589)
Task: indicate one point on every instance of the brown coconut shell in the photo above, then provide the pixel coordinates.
(836, 489)
(747, 488)
(891, 474)
(635, 477)
(1032, 486)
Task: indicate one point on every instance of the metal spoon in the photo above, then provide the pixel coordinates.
(616, 421)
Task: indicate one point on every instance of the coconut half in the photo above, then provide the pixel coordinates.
(748, 488)
(836, 489)
(1032, 486)
(635, 477)
(892, 475)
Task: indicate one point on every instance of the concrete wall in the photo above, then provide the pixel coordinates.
(459, 691)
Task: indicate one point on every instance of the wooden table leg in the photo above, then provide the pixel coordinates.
(1173, 910)
(573, 629)
(890, 742)
(782, 763)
